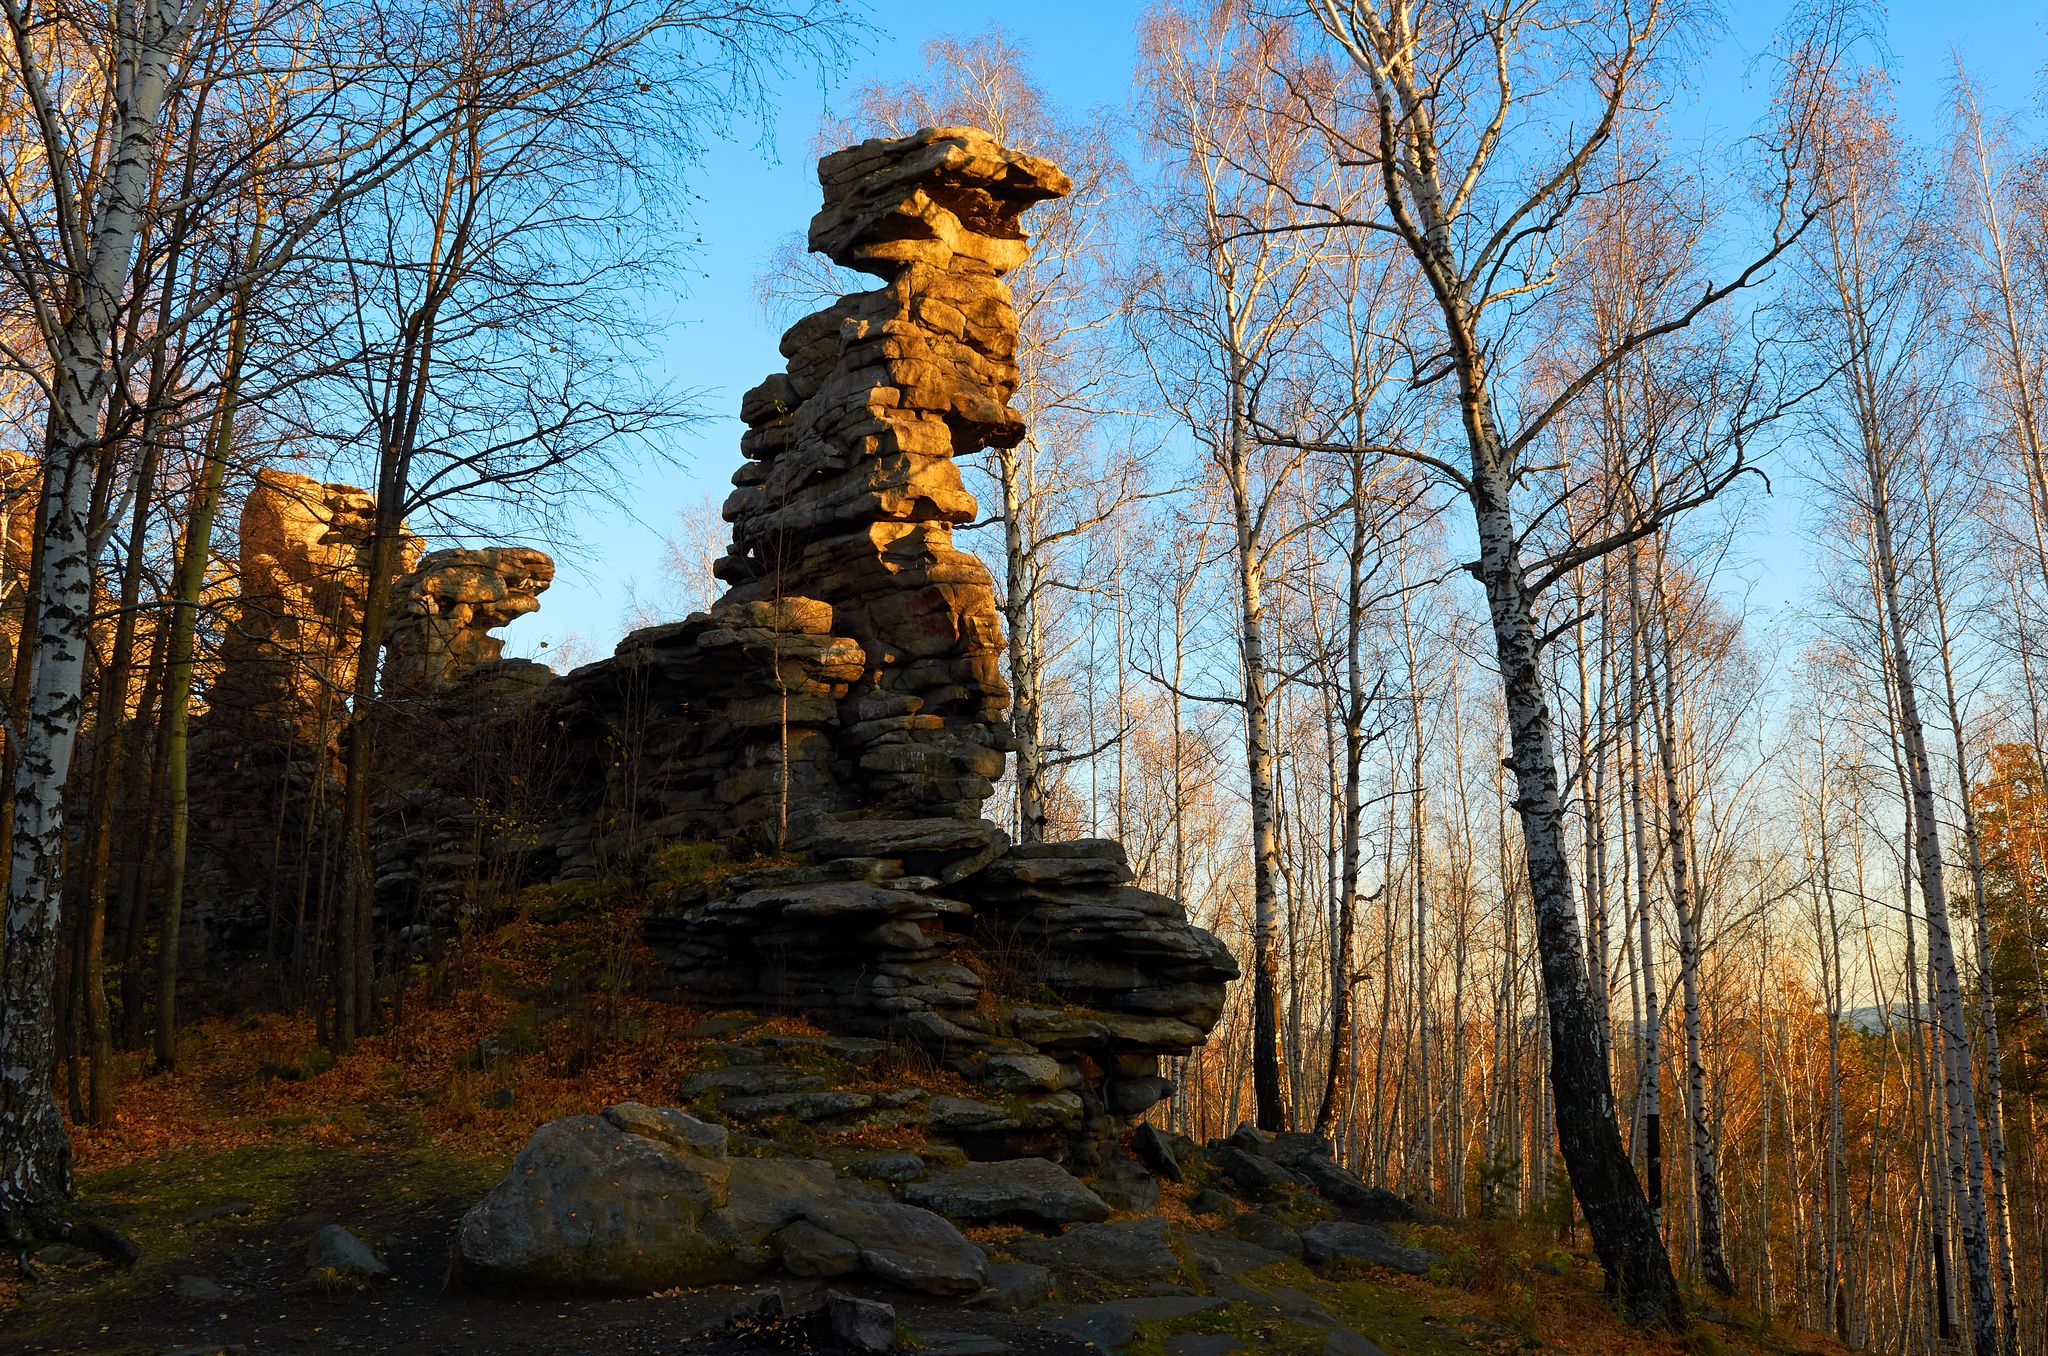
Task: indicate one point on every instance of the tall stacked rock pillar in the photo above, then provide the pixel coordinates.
(851, 490)
(844, 702)
(266, 754)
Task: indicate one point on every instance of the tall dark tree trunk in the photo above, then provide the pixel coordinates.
(1624, 1229)
(115, 686)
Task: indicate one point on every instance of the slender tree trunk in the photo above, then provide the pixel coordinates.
(1998, 1208)
(146, 777)
(35, 1154)
(177, 721)
(1707, 1225)
(178, 665)
(1959, 1095)
(1020, 615)
(115, 686)
(1270, 1107)
(1623, 1224)
(1351, 815)
(1649, 1093)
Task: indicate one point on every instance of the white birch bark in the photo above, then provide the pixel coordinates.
(1707, 1224)
(35, 1157)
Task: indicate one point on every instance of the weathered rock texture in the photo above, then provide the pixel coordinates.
(21, 483)
(640, 1198)
(856, 661)
(266, 753)
(444, 610)
(458, 757)
(844, 701)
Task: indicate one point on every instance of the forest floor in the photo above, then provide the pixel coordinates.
(223, 1169)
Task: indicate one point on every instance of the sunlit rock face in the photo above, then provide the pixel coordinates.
(444, 611)
(844, 703)
(266, 753)
(20, 485)
(851, 489)
(856, 660)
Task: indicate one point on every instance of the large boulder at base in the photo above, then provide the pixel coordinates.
(614, 1202)
(643, 1198)
(1029, 1190)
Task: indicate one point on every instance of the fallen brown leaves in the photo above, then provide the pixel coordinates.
(578, 985)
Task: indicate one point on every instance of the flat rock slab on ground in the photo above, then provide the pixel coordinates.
(905, 1246)
(1220, 1254)
(1110, 1327)
(1131, 1250)
(1014, 1287)
(1029, 1190)
(1348, 1242)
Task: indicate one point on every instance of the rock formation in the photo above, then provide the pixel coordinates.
(640, 1198)
(21, 482)
(444, 610)
(856, 661)
(266, 753)
(457, 758)
(844, 702)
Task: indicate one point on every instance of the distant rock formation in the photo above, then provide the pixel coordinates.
(844, 703)
(444, 610)
(266, 754)
(21, 483)
(457, 756)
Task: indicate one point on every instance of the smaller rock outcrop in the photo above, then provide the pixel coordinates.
(460, 771)
(642, 1198)
(1038, 972)
(444, 610)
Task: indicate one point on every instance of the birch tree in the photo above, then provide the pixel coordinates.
(1874, 273)
(95, 205)
(1222, 320)
(1475, 175)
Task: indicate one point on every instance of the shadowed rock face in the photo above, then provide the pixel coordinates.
(844, 701)
(453, 748)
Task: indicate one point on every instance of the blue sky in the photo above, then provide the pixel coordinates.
(749, 197)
